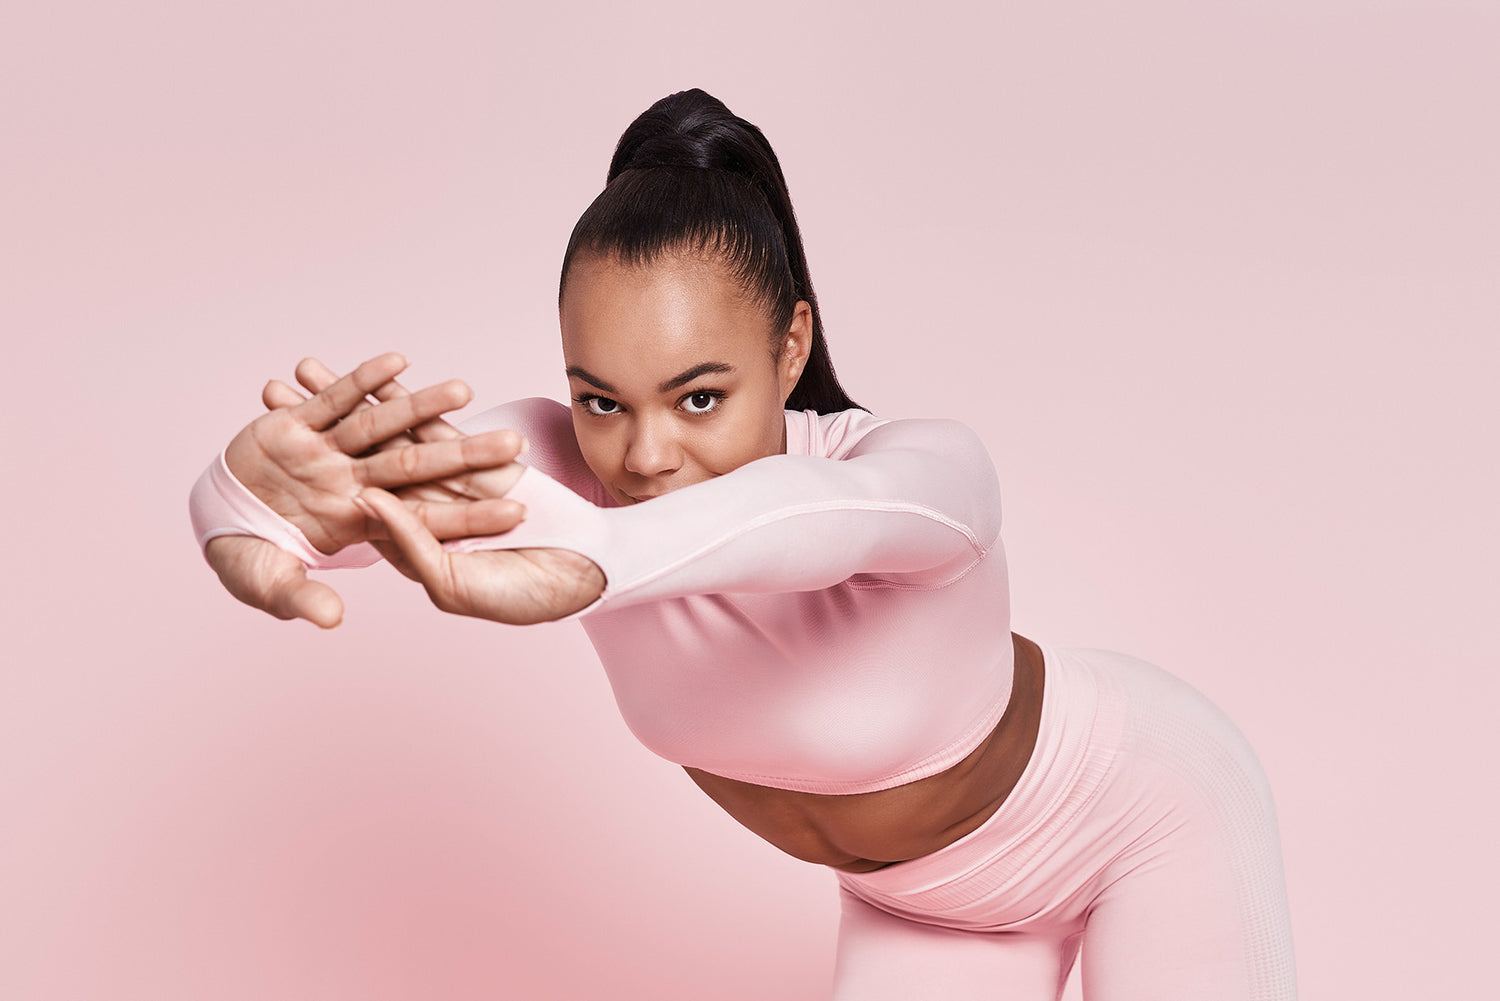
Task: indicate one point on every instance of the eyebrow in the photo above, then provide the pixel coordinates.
(676, 382)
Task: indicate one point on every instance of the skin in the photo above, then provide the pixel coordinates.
(633, 339)
(676, 377)
(309, 459)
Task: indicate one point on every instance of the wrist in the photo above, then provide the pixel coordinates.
(581, 582)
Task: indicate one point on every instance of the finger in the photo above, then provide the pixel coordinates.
(435, 429)
(422, 552)
(392, 555)
(368, 427)
(315, 377)
(340, 398)
(449, 520)
(435, 460)
(278, 394)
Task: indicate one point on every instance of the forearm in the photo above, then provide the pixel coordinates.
(918, 505)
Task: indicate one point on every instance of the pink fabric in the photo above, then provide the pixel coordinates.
(832, 620)
(836, 620)
(1142, 829)
(220, 505)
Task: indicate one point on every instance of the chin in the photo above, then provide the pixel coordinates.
(627, 497)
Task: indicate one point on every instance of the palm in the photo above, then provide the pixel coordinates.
(298, 473)
(518, 586)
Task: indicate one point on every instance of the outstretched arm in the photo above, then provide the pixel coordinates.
(910, 504)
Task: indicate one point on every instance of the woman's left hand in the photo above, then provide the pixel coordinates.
(515, 586)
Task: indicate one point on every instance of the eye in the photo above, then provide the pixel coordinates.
(599, 406)
(701, 403)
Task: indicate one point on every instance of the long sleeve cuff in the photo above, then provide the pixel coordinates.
(221, 505)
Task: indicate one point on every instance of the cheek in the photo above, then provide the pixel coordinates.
(731, 446)
(599, 452)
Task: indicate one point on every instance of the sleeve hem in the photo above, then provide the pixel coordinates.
(221, 505)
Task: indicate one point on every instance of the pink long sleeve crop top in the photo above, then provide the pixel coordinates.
(832, 620)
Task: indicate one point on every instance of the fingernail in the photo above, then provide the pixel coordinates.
(525, 446)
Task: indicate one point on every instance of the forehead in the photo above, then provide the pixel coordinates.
(657, 319)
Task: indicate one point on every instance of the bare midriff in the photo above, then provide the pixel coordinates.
(867, 831)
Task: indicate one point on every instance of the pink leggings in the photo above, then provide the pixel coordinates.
(1142, 830)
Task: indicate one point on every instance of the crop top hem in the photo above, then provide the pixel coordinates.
(933, 764)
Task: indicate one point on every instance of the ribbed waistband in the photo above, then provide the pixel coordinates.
(1065, 770)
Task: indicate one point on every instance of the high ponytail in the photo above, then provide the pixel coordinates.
(688, 174)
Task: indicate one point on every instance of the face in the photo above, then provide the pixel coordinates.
(675, 374)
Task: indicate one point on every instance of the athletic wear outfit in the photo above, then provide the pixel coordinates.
(836, 620)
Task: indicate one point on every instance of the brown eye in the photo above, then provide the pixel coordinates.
(601, 405)
(700, 403)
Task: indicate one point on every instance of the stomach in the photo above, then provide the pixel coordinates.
(867, 831)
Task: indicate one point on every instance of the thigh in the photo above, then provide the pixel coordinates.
(1182, 926)
(1196, 906)
(882, 957)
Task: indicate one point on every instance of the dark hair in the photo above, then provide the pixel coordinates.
(689, 175)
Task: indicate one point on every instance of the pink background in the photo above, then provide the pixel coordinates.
(1217, 282)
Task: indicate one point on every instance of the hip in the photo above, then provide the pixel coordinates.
(1126, 758)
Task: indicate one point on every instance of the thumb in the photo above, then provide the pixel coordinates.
(314, 601)
(264, 577)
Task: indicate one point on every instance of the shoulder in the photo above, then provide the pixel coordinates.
(938, 463)
(828, 436)
(849, 433)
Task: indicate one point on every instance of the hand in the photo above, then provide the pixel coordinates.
(516, 586)
(473, 485)
(266, 577)
(308, 461)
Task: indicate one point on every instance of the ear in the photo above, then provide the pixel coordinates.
(796, 343)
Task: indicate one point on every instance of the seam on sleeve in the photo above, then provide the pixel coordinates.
(821, 507)
(872, 582)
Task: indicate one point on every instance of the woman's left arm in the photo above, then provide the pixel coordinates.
(915, 503)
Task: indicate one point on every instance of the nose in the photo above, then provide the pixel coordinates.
(653, 449)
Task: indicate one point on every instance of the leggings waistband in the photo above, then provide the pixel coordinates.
(1063, 773)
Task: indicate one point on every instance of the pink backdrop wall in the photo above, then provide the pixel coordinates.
(1216, 281)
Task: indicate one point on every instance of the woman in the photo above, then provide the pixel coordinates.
(810, 614)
